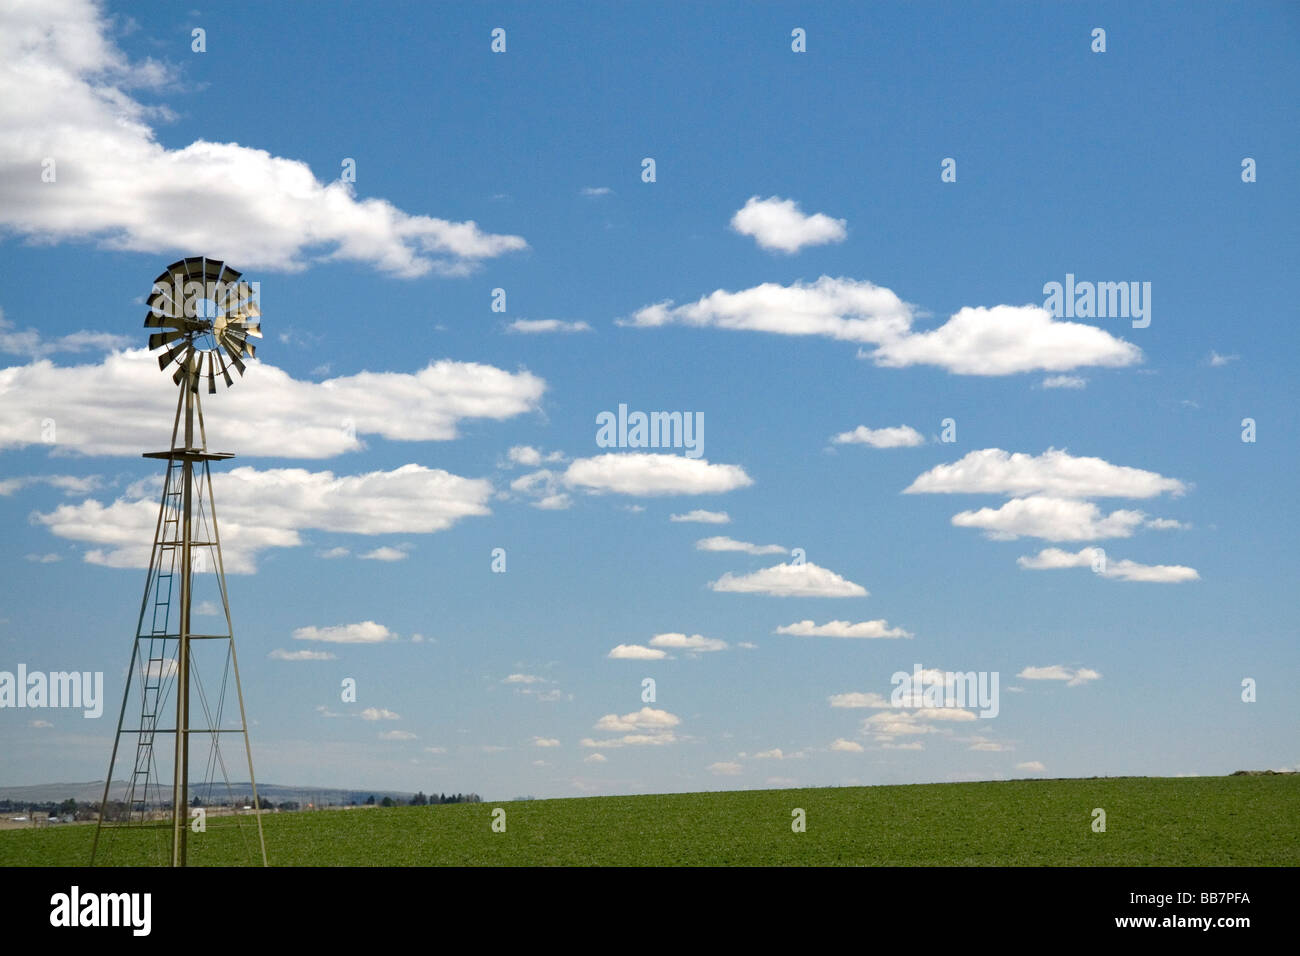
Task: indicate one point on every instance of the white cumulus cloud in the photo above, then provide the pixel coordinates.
(1005, 340)
(118, 184)
(365, 632)
(1125, 570)
(636, 652)
(790, 580)
(31, 344)
(864, 629)
(730, 544)
(903, 436)
(68, 484)
(123, 406)
(700, 516)
(645, 719)
(268, 509)
(531, 457)
(778, 224)
(1072, 677)
(857, 699)
(1055, 472)
(843, 309)
(384, 554)
(282, 655)
(684, 642)
(538, 326)
(651, 474)
(647, 727)
(1053, 519)
(1002, 340)
(1065, 381)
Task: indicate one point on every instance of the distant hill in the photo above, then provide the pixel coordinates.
(276, 793)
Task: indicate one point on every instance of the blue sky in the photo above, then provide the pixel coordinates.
(522, 171)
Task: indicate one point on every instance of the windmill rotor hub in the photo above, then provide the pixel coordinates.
(206, 314)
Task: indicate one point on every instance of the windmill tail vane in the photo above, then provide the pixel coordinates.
(205, 314)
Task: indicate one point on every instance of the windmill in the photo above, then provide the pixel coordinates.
(204, 316)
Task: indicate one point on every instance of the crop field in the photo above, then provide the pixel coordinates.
(1150, 821)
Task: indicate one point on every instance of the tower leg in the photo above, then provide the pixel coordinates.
(234, 660)
(117, 738)
(181, 775)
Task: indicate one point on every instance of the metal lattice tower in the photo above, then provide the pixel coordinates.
(203, 311)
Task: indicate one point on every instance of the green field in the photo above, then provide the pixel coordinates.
(1150, 821)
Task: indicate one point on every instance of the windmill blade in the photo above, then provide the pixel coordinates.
(229, 279)
(168, 357)
(193, 267)
(212, 269)
(169, 272)
(212, 375)
(225, 372)
(247, 325)
(233, 339)
(160, 303)
(239, 298)
(185, 369)
(163, 320)
(163, 338)
(231, 298)
(236, 336)
(152, 321)
(234, 358)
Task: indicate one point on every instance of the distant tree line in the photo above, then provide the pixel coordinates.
(420, 800)
(55, 808)
(116, 810)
